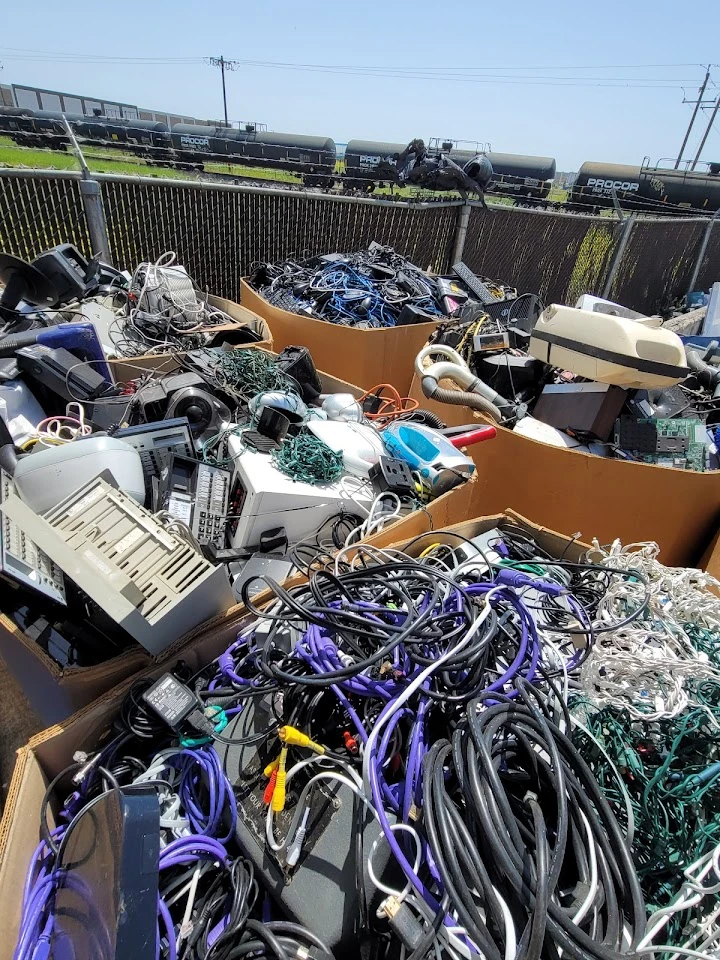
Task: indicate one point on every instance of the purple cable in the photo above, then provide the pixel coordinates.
(164, 913)
(412, 773)
(200, 768)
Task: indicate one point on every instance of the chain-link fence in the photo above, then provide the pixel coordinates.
(558, 256)
(657, 263)
(37, 212)
(218, 234)
(710, 267)
(218, 231)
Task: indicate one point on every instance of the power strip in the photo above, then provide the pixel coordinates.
(22, 559)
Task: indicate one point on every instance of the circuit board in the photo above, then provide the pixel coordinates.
(677, 442)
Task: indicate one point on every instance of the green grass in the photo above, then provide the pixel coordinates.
(14, 156)
(557, 195)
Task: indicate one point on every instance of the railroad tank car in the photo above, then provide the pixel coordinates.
(314, 157)
(514, 175)
(649, 189)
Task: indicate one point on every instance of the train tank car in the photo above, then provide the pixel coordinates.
(313, 157)
(648, 189)
(514, 175)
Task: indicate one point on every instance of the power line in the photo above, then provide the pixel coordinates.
(555, 66)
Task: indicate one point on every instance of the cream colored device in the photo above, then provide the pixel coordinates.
(628, 353)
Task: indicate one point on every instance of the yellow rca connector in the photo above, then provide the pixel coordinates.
(278, 799)
(272, 767)
(294, 738)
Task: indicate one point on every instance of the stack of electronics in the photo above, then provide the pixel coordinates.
(135, 511)
(377, 287)
(596, 377)
(157, 309)
(473, 749)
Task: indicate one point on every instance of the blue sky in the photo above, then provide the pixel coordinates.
(643, 114)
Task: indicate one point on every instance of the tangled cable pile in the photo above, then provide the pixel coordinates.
(368, 288)
(163, 311)
(519, 810)
(646, 667)
(308, 459)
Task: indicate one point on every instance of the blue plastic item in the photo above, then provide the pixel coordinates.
(426, 451)
(79, 338)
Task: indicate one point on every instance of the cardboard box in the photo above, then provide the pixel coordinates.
(56, 692)
(52, 750)
(597, 496)
(364, 357)
(130, 368)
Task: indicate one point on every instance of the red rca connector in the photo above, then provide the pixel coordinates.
(351, 744)
(270, 788)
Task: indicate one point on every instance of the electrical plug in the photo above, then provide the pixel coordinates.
(295, 738)
(403, 922)
(270, 788)
(295, 848)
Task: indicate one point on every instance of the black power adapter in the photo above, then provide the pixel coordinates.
(392, 476)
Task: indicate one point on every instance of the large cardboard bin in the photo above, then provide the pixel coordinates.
(50, 751)
(55, 692)
(597, 496)
(364, 357)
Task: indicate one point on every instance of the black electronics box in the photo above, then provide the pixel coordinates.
(412, 314)
(587, 408)
(66, 268)
(521, 312)
(321, 892)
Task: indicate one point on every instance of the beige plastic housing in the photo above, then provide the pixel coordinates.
(153, 584)
(627, 353)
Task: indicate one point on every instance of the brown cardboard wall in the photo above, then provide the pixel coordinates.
(596, 496)
(52, 750)
(365, 357)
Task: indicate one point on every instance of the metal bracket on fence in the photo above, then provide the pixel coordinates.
(616, 204)
(626, 226)
(461, 232)
(91, 194)
(702, 251)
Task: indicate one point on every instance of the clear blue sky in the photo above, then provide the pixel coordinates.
(572, 123)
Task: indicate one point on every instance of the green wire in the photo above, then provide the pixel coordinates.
(307, 459)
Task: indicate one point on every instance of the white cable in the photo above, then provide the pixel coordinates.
(398, 894)
(510, 933)
(587, 902)
(644, 666)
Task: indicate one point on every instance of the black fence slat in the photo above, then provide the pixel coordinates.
(219, 234)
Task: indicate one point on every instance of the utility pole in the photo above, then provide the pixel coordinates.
(716, 108)
(224, 65)
(694, 115)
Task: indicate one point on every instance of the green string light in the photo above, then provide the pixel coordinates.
(250, 372)
(307, 459)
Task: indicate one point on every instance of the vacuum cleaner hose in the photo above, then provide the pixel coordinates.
(460, 398)
(706, 374)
